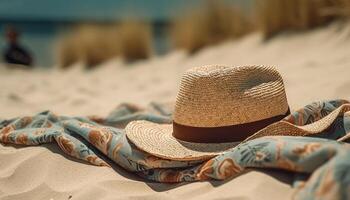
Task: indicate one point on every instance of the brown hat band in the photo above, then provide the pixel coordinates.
(234, 133)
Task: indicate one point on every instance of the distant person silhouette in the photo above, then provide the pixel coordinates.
(14, 53)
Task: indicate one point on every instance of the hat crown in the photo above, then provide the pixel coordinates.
(215, 96)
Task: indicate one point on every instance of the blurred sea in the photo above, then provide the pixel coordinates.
(42, 21)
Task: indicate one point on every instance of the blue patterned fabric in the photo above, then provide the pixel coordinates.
(321, 162)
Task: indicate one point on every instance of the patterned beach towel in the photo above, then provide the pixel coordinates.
(321, 162)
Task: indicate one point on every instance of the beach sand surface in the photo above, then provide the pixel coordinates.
(315, 66)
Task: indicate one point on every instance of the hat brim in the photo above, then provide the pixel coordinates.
(284, 128)
(157, 139)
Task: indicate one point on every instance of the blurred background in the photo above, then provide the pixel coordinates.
(64, 32)
(48, 27)
(86, 56)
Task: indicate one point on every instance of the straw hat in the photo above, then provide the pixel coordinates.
(218, 107)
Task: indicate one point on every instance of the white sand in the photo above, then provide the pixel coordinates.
(42, 173)
(315, 66)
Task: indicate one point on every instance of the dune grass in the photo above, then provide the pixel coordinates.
(213, 22)
(93, 44)
(209, 24)
(275, 16)
(67, 52)
(136, 40)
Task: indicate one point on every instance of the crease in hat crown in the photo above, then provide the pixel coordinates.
(215, 95)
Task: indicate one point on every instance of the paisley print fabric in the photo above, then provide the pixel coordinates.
(324, 157)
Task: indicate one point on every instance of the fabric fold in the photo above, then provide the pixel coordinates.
(324, 156)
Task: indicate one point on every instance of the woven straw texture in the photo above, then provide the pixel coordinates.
(286, 128)
(158, 140)
(213, 96)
